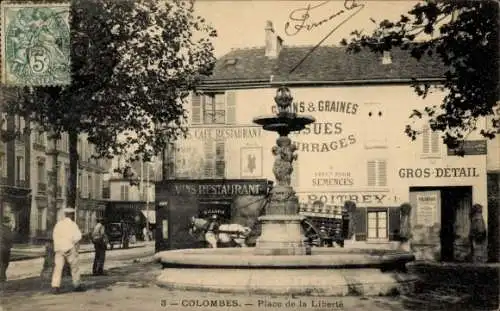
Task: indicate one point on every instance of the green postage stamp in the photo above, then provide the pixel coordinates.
(35, 44)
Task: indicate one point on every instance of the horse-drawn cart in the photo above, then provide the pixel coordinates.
(323, 227)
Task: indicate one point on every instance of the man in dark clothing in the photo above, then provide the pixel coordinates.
(100, 242)
(5, 246)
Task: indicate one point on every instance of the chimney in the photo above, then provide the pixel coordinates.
(273, 42)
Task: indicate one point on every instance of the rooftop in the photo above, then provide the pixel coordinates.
(328, 64)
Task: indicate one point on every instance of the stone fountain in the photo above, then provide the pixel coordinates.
(281, 263)
(281, 225)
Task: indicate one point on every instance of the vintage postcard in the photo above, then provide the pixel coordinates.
(249, 155)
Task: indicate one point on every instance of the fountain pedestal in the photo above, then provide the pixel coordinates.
(281, 226)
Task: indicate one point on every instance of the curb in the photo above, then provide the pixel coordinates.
(41, 253)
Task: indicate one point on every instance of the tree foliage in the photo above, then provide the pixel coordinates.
(133, 65)
(464, 36)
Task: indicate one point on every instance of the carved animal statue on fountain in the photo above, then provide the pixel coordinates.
(284, 154)
(283, 100)
(477, 235)
(405, 227)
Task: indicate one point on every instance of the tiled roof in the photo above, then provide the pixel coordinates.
(244, 64)
(326, 64)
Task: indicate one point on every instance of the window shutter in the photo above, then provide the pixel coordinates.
(434, 142)
(196, 106)
(209, 168)
(231, 107)
(372, 173)
(426, 140)
(394, 223)
(360, 223)
(382, 173)
(220, 164)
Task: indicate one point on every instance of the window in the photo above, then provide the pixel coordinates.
(220, 163)
(64, 142)
(90, 186)
(169, 157)
(20, 176)
(66, 179)
(97, 187)
(80, 149)
(39, 219)
(375, 126)
(377, 173)
(42, 175)
(124, 192)
(430, 142)
(215, 108)
(377, 225)
(79, 183)
(214, 164)
(3, 164)
(40, 137)
(84, 190)
(20, 124)
(209, 169)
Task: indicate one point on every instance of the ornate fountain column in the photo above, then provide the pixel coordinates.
(281, 225)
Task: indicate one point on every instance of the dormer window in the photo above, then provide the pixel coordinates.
(230, 62)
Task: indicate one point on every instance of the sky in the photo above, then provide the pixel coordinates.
(241, 23)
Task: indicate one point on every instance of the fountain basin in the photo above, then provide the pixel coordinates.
(290, 122)
(326, 272)
(319, 258)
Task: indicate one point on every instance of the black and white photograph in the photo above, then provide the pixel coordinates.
(302, 155)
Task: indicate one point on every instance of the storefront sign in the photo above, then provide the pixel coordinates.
(218, 188)
(332, 179)
(224, 133)
(323, 106)
(438, 172)
(339, 198)
(470, 147)
(331, 129)
(426, 209)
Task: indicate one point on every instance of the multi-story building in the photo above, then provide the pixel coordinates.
(357, 150)
(132, 198)
(35, 173)
(15, 178)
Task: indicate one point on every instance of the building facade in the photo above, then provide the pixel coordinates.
(35, 174)
(132, 199)
(357, 150)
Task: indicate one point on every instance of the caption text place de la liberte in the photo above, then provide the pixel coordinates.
(260, 303)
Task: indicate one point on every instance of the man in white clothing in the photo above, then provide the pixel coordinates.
(66, 236)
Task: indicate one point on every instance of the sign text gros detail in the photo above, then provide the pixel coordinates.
(328, 129)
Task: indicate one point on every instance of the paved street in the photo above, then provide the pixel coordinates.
(114, 258)
(131, 287)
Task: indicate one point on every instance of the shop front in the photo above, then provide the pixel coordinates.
(15, 203)
(441, 197)
(229, 201)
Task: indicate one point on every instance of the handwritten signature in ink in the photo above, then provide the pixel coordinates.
(299, 19)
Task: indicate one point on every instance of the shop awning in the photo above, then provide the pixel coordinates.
(150, 215)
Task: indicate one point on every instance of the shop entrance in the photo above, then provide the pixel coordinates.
(442, 213)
